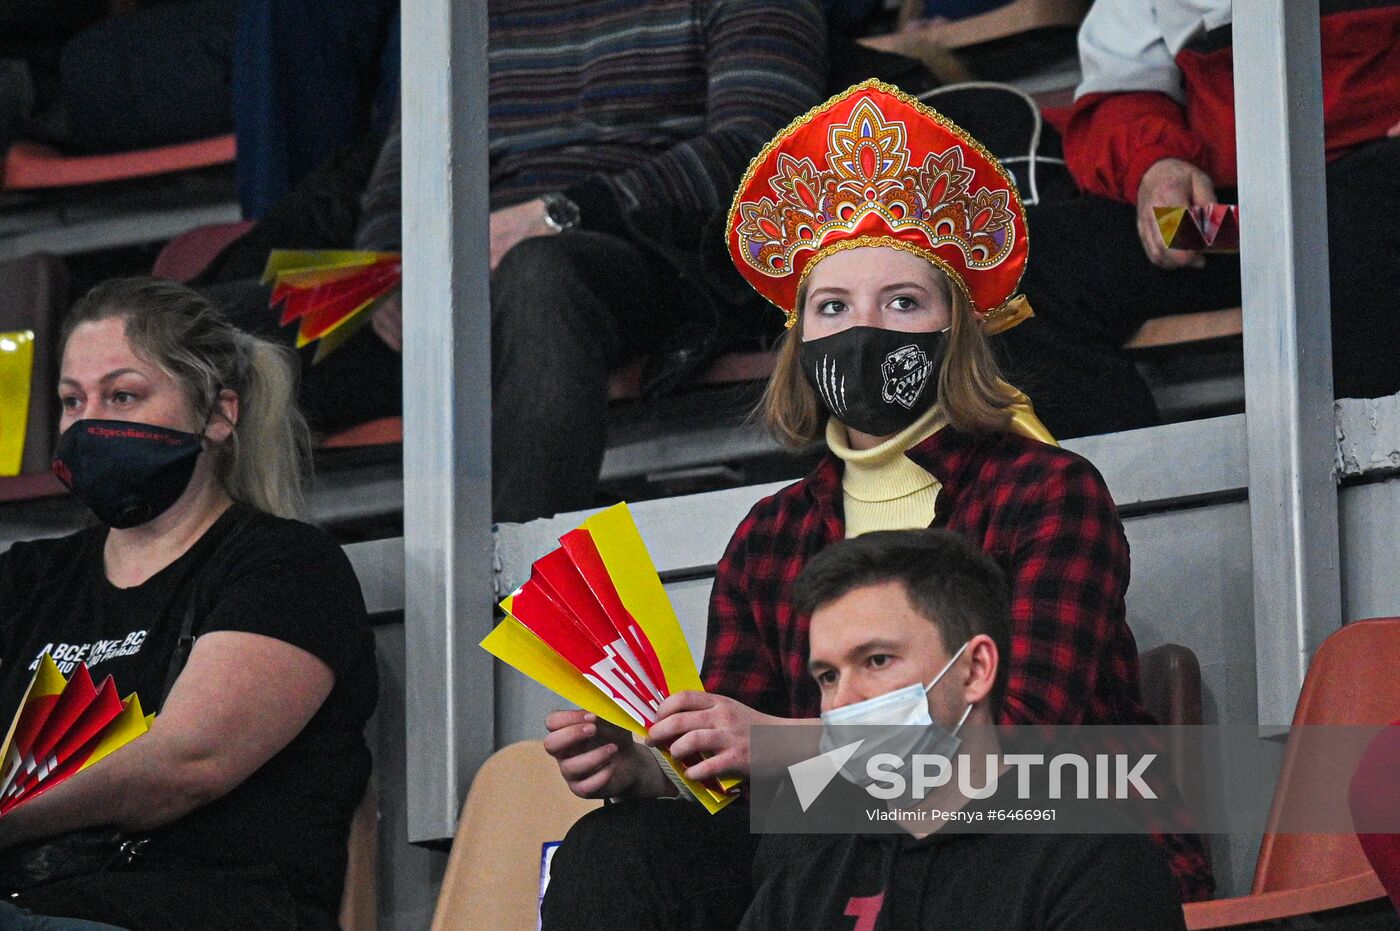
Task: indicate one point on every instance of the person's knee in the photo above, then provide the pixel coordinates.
(544, 308)
(621, 827)
(540, 266)
(622, 835)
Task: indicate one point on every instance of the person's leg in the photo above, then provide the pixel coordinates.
(152, 77)
(18, 919)
(358, 382)
(661, 864)
(1363, 198)
(1092, 287)
(305, 73)
(565, 311)
(255, 898)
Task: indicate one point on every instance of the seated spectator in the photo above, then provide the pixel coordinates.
(249, 634)
(609, 150)
(31, 34)
(153, 76)
(888, 361)
(905, 608)
(1153, 125)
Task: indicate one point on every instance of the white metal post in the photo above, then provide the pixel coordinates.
(447, 416)
(1287, 342)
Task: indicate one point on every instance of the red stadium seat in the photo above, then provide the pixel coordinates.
(1351, 681)
(187, 255)
(29, 165)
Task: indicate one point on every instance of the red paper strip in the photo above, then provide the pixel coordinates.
(585, 557)
(85, 729)
(603, 666)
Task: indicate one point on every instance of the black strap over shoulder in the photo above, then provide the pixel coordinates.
(184, 643)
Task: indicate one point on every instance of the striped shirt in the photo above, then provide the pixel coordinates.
(631, 105)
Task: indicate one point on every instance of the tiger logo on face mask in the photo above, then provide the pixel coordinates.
(906, 371)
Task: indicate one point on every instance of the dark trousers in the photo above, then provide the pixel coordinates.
(308, 76)
(178, 899)
(565, 312)
(661, 864)
(1092, 287)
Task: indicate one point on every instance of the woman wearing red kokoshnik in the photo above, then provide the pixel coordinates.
(894, 243)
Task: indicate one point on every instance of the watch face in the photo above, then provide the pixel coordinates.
(560, 212)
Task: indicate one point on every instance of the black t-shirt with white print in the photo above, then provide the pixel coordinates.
(250, 572)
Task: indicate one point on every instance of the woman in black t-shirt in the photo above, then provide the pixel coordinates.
(182, 436)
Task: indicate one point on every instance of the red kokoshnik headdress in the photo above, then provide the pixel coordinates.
(875, 167)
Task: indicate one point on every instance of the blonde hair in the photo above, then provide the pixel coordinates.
(974, 396)
(266, 458)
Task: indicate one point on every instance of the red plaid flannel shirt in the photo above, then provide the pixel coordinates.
(1043, 513)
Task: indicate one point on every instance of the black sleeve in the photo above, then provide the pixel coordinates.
(1119, 882)
(7, 598)
(290, 581)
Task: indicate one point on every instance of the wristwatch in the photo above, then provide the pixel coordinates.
(560, 213)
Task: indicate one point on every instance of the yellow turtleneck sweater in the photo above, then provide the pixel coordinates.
(882, 488)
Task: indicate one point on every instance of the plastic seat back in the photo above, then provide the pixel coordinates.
(1170, 676)
(1352, 680)
(517, 804)
(359, 903)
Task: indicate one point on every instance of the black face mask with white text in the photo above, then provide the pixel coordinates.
(874, 380)
(128, 473)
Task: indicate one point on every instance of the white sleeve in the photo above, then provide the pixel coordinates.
(1122, 48)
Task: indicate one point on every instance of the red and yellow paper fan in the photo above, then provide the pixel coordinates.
(16, 373)
(875, 167)
(1204, 228)
(62, 727)
(593, 625)
(330, 292)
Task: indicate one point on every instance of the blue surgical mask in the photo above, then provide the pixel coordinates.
(870, 721)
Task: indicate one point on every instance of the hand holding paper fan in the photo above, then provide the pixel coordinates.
(593, 624)
(1206, 228)
(330, 292)
(62, 727)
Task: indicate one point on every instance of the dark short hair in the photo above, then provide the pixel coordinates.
(952, 583)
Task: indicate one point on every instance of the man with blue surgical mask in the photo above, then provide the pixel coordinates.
(908, 628)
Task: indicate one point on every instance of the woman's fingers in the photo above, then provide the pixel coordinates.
(556, 720)
(667, 730)
(720, 764)
(699, 741)
(583, 765)
(570, 741)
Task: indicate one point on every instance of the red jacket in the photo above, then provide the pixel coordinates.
(1112, 138)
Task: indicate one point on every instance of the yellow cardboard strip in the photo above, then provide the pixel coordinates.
(282, 261)
(514, 645)
(16, 374)
(125, 728)
(634, 574)
(1168, 220)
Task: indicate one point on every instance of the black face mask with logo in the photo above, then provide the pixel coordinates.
(873, 380)
(128, 473)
